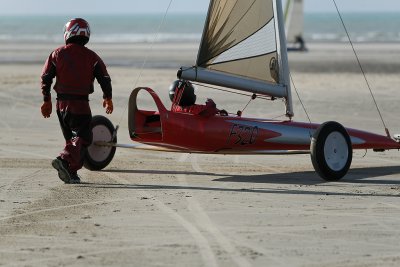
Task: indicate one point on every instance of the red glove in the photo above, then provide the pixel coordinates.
(108, 105)
(46, 109)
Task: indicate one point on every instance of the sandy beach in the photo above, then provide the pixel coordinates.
(167, 209)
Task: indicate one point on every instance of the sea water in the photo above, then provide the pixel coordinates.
(362, 27)
(147, 28)
(143, 28)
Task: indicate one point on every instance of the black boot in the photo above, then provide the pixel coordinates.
(75, 179)
(61, 166)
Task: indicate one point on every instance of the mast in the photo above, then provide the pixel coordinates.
(284, 70)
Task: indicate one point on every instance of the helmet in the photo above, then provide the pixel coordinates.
(187, 97)
(77, 29)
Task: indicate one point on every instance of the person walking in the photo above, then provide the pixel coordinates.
(75, 67)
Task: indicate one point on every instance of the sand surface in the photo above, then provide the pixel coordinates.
(165, 209)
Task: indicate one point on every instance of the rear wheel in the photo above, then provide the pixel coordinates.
(331, 151)
(98, 156)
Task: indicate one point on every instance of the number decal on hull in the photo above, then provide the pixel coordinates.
(242, 135)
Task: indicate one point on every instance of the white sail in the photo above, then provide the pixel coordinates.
(244, 47)
(294, 22)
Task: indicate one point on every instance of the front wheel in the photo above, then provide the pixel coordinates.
(99, 156)
(331, 151)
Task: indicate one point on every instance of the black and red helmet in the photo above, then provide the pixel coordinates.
(77, 29)
(187, 97)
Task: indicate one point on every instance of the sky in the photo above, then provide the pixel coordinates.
(86, 7)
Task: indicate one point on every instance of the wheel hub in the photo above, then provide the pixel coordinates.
(336, 151)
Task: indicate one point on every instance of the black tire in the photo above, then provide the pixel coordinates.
(331, 151)
(98, 157)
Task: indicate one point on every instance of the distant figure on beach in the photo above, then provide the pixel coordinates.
(75, 67)
(183, 97)
(300, 41)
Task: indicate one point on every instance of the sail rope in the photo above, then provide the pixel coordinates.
(157, 33)
(252, 96)
(232, 92)
(362, 70)
(298, 96)
(240, 112)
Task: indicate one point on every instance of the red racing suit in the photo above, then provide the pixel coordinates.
(207, 110)
(75, 67)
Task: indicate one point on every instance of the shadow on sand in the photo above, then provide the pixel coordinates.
(356, 175)
(308, 178)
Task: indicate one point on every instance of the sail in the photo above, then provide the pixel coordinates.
(294, 21)
(244, 47)
(240, 48)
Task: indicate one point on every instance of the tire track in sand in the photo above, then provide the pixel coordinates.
(202, 242)
(7, 187)
(206, 223)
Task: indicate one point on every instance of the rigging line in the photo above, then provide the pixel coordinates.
(246, 105)
(150, 50)
(279, 116)
(298, 95)
(228, 91)
(237, 93)
(362, 69)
